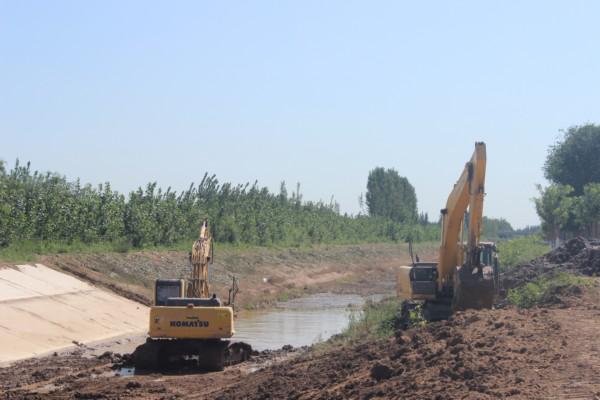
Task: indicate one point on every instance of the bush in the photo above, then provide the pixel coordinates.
(375, 320)
(545, 290)
(520, 250)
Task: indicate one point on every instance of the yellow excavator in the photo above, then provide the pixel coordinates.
(187, 325)
(466, 274)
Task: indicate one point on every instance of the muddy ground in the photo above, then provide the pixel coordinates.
(542, 353)
(550, 352)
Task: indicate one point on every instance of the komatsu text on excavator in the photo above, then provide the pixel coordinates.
(187, 325)
(466, 274)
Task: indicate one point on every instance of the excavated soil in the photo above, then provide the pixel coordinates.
(578, 256)
(475, 355)
(552, 352)
(548, 353)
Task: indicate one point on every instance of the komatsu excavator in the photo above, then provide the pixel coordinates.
(466, 274)
(187, 325)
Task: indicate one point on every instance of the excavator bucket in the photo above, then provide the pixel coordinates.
(474, 289)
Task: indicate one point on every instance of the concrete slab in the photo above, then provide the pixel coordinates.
(43, 310)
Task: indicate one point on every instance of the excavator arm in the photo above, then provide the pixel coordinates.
(200, 258)
(468, 192)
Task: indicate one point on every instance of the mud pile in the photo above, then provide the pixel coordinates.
(475, 354)
(578, 255)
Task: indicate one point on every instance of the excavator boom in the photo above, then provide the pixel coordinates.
(467, 192)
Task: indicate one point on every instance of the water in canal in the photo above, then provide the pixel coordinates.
(298, 322)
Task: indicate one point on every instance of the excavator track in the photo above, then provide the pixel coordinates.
(201, 354)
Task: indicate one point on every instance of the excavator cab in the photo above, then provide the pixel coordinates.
(423, 277)
(417, 281)
(164, 289)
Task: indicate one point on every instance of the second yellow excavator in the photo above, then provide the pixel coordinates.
(187, 325)
(466, 274)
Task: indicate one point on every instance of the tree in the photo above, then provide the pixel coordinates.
(391, 195)
(497, 228)
(556, 208)
(39, 207)
(574, 160)
(589, 209)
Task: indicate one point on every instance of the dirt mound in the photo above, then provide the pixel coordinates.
(487, 354)
(475, 354)
(578, 255)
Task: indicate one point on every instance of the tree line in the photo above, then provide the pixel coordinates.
(570, 205)
(49, 207)
(392, 196)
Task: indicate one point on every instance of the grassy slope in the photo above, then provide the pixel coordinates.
(266, 274)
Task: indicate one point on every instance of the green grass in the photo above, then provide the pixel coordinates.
(520, 250)
(30, 250)
(375, 320)
(283, 296)
(544, 290)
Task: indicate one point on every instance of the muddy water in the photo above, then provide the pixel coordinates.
(298, 322)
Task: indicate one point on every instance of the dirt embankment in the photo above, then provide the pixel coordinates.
(549, 353)
(264, 274)
(540, 353)
(473, 355)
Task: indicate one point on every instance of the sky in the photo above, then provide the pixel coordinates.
(306, 91)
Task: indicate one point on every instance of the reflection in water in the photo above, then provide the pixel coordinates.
(297, 322)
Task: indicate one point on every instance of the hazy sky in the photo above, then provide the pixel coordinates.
(318, 92)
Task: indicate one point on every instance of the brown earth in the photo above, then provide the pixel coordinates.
(551, 352)
(578, 256)
(542, 353)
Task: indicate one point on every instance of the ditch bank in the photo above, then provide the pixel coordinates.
(265, 275)
(44, 310)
